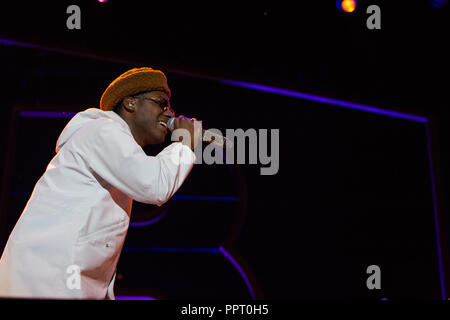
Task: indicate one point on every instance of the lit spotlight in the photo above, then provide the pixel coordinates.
(102, 1)
(346, 5)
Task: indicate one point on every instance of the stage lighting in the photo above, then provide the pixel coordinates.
(346, 5)
(439, 3)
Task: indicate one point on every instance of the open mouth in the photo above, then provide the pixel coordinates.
(163, 124)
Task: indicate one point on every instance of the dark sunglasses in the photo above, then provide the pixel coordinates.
(163, 104)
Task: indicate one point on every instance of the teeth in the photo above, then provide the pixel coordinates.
(162, 123)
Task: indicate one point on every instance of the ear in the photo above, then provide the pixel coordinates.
(129, 104)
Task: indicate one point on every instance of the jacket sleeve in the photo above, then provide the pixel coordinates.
(119, 160)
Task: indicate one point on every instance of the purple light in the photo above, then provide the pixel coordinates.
(320, 99)
(163, 214)
(221, 249)
(181, 197)
(191, 250)
(205, 198)
(134, 298)
(149, 222)
(244, 84)
(439, 3)
(436, 217)
(7, 42)
(47, 114)
(233, 261)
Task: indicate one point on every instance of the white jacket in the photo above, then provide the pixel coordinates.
(79, 211)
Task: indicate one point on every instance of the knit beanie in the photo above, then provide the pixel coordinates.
(132, 82)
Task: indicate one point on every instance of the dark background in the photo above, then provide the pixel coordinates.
(354, 188)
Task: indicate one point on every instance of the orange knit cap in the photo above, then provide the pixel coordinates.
(132, 82)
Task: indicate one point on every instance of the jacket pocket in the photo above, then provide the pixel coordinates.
(104, 231)
(97, 255)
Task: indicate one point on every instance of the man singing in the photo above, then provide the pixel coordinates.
(67, 241)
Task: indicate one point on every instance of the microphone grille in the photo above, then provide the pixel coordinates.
(171, 124)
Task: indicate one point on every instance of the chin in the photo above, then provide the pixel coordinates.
(158, 139)
(161, 141)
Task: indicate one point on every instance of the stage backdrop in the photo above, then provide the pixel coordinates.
(353, 190)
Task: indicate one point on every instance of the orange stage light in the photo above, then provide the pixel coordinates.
(348, 5)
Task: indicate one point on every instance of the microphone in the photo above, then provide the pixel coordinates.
(208, 136)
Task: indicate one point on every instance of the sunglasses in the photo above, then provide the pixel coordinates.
(163, 104)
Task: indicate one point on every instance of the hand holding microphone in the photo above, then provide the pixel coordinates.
(196, 131)
(181, 122)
